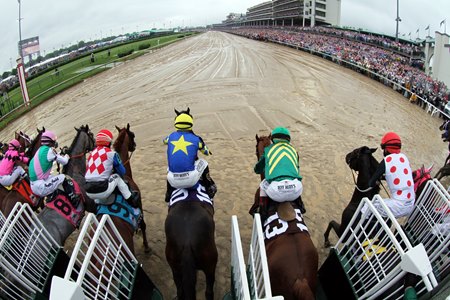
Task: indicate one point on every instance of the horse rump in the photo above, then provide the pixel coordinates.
(190, 246)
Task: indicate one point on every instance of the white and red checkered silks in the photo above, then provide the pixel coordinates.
(100, 167)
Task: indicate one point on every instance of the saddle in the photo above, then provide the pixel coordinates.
(22, 186)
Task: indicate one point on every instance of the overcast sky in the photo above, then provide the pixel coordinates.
(64, 22)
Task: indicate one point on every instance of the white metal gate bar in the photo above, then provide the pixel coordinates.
(101, 262)
(259, 279)
(238, 272)
(27, 253)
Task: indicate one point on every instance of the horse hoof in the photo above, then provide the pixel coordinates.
(148, 250)
(327, 244)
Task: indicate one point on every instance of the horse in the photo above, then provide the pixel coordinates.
(190, 240)
(359, 160)
(291, 255)
(61, 217)
(126, 218)
(20, 190)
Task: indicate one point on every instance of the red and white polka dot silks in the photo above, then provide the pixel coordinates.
(399, 177)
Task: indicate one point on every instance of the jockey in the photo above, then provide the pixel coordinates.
(41, 181)
(398, 174)
(104, 172)
(9, 170)
(185, 168)
(280, 164)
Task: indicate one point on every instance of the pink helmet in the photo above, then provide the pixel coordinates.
(48, 138)
(14, 145)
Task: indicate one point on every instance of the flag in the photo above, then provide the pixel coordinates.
(428, 27)
(442, 22)
(417, 30)
(409, 34)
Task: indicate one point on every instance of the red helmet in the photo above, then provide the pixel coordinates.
(14, 145)
(104, 137)
(391, 142)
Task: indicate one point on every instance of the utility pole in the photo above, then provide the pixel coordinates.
(20, 34)
(397, 20)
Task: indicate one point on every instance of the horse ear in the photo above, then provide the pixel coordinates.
(128, 126)
(372, 150)
(257, 138)
(176, 111)
(118, 129)
(188, 111)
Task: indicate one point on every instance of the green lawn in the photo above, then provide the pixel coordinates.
(52, 82)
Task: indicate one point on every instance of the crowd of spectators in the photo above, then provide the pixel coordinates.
(351, 49)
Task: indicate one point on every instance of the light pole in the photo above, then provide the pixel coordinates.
(397, 20)
(20, 34)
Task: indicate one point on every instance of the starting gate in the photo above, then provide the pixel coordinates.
(29, 256)
(102, 267)
(255, 283)
(372, 257)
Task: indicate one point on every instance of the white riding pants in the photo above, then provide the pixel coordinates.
(114, 181)
(9, 179)
(188, 179)
(43, 188)
(399, 208)
(282, 191)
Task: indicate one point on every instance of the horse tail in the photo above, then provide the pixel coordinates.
(302, 290)
(189, 272)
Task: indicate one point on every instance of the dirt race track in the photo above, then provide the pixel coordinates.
(237, 88)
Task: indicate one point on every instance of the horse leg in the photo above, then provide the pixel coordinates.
(332, 225)
(143, 228)
(210, 272)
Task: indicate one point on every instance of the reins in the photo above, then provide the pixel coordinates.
(128, 160)
(369, 188)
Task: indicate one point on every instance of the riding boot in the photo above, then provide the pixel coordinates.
(134, 199)
(263, 208)
(70, 192)
(169, 192)
(301, 205)
(210, 186)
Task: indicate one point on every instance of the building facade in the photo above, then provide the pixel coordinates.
(290, 13)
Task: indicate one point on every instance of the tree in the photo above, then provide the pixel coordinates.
(5, 74)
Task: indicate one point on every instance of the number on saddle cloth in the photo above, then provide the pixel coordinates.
(196, 193)
(60, 202)
(121, 209)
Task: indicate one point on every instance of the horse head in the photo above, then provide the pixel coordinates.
(421, 177)
(187, 111)
(83, 143)
(124, 144)
(24, 140)
(35, 143)
(261, 143)
(361, 160)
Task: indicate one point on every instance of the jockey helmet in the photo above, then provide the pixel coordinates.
(281, 133)
(391, 142)
(104, 138)
(48, 138)
(184, 121)
(14, 145)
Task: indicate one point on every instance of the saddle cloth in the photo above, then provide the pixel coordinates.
(274, 226)
(121, 209)
(197, 193)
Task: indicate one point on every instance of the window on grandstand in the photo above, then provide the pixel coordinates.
(321, 6)
(320, 13)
